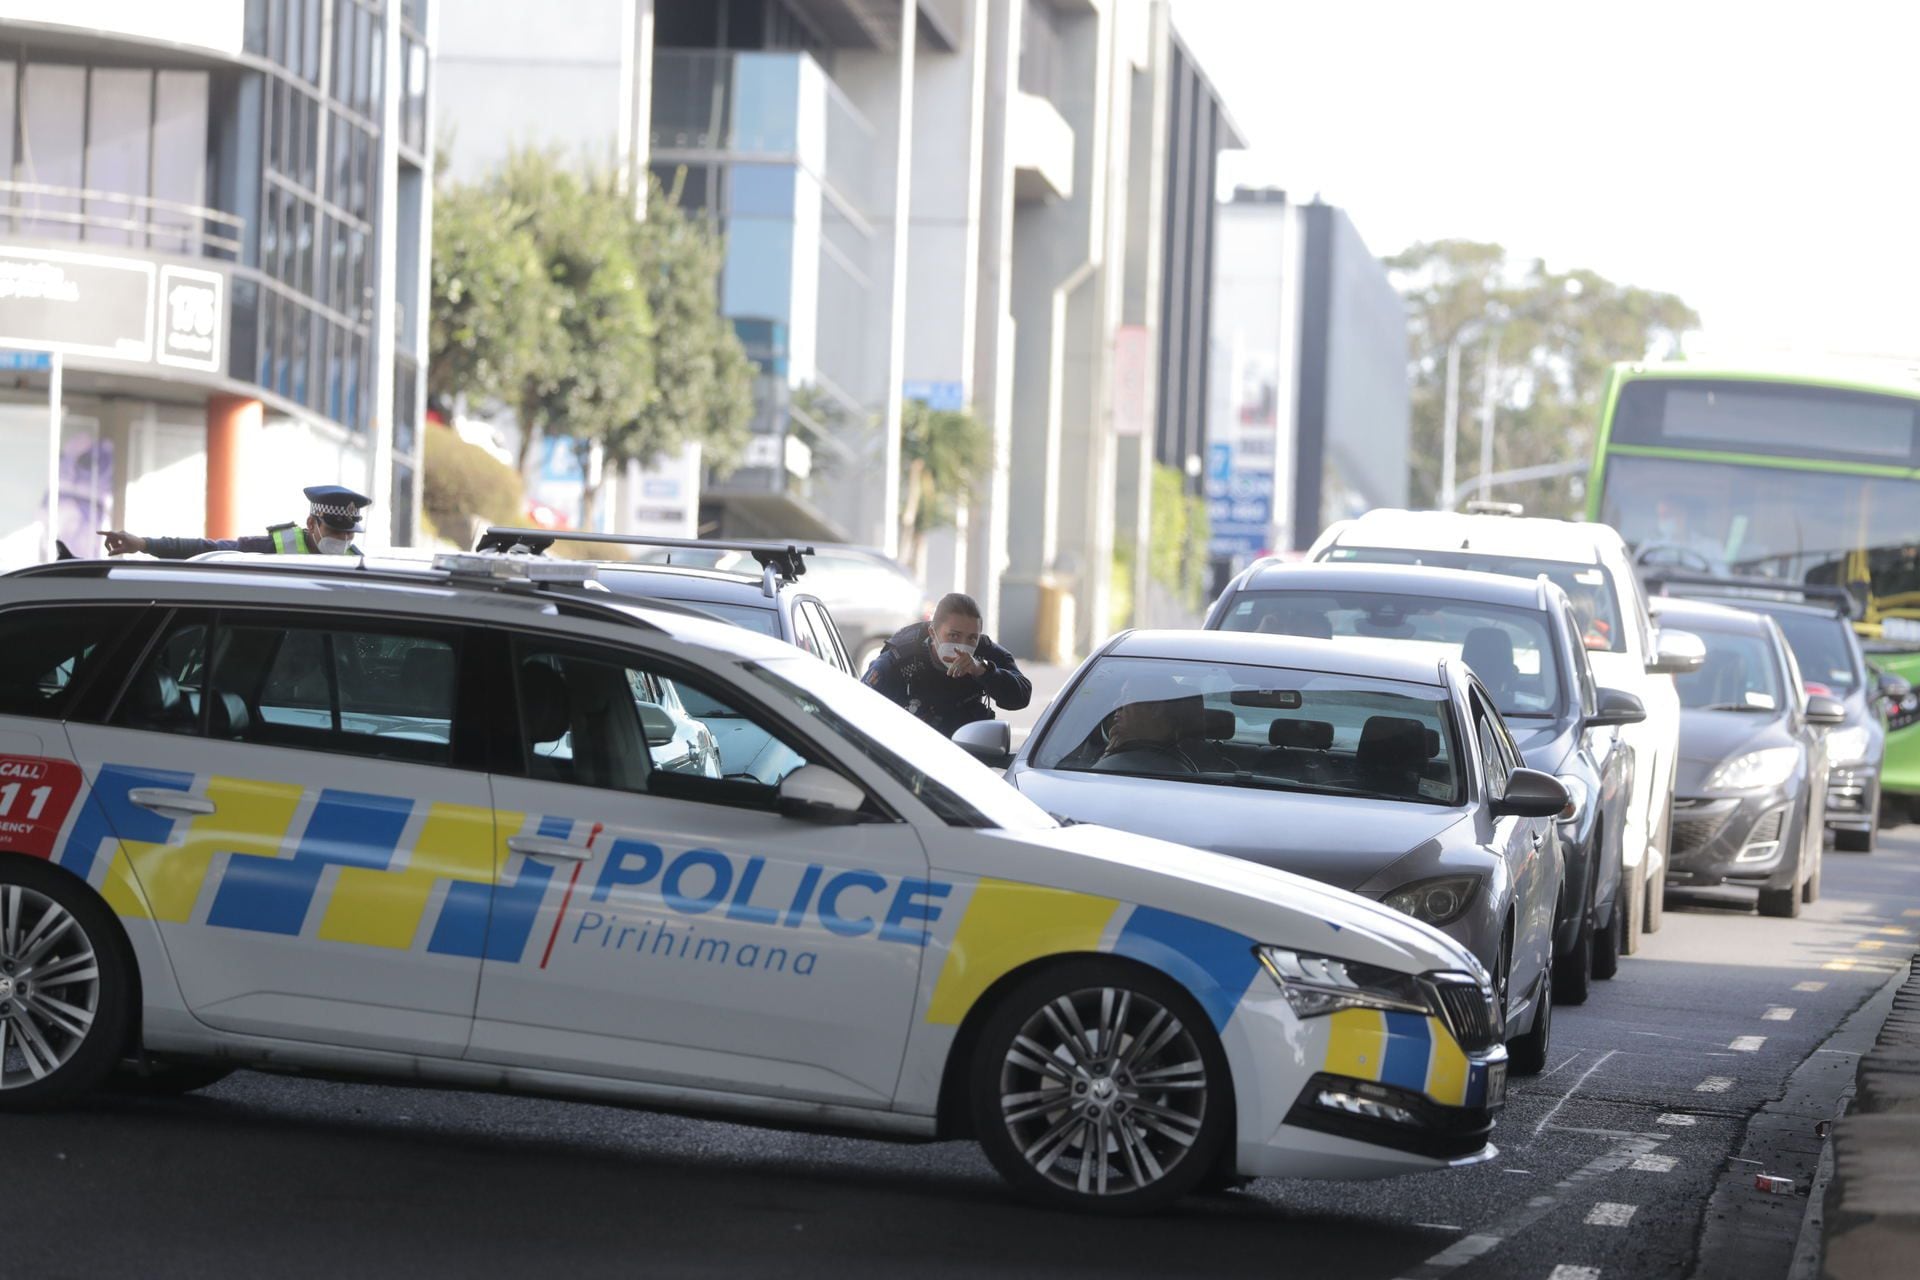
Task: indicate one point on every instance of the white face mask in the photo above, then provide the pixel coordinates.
(335, 546)
(949, 652)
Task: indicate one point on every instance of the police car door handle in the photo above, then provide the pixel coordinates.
(166, 800)
(546, 847)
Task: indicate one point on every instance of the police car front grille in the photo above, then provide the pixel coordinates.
(1468, 1012)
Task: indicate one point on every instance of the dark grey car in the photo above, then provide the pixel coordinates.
(1750, 789)
(1360, 764)
(1524, 642)
(1817, 623)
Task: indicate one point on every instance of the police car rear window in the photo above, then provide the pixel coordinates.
(45, 651)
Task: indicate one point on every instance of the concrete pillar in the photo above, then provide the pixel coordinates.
(230, 420)
(999, 24)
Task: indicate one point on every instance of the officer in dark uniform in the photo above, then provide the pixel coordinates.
(945, 671)
(335, 515)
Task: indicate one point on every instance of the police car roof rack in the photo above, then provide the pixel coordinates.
(1751, 586)
(780, 562)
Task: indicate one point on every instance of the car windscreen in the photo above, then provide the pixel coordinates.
(765, 621)
(961, 790)
(1739, 674)
(1512, 650)
(1596, 606)
(1269, 728)
(1823, 648)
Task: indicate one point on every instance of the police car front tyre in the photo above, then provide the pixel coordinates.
(1100, 1085)
(65, 982)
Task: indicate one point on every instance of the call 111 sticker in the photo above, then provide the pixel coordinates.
(35, 795)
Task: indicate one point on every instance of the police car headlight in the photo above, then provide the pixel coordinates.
(1756, 770)
(1319, 985)
(1848, 745)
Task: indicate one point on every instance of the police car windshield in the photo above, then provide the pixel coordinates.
(947, 779)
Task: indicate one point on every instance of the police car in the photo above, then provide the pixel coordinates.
(392, 820)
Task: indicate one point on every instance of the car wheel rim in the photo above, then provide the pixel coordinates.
(1103, 1091)
(49, 986)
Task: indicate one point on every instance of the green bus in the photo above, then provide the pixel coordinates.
(1806, 477)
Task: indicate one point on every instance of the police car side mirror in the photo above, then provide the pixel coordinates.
(988, 741)
(818, 794)
(1893, 687)
(657, 724)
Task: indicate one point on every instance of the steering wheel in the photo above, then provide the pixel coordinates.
(1675, 554)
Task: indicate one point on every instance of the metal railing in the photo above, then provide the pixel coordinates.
(166, 226)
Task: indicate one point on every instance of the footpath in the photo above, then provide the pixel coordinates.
(1872, 1204)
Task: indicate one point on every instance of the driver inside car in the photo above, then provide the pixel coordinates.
(1160, 727)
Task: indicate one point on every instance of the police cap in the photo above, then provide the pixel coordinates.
(338, 507)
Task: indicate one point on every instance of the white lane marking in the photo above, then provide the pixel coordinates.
(1437, 1226)
(1606, 1214)
(1555, 1109)
(1654, 1164)
(1464, 1250)
(1567, 1271)
(1573, 1058)
(1511, 1224)
(1809, 986)
(1677, 1121)
(1778, 1013)
(1714, 1084)
(1528, 1173)
(1747, 1044)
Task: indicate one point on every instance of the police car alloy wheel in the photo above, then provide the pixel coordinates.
(63, 988)
(1101, 1086)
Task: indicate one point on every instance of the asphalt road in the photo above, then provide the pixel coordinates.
(1608, 1161)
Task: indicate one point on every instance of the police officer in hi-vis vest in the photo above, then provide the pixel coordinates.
(334, 516)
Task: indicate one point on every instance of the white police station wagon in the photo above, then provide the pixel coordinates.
(381, 819)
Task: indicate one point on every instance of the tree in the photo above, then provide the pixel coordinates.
(494, 312)
(1554, 333)
(943, 453)
(584, 232)
(703, 379)
(464, 487)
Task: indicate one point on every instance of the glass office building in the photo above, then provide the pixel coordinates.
(217, 214)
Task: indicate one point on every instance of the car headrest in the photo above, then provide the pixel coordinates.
(1304, 735)
(159, 699)
(1489, 651)
(1393, 743)
(228, 716)
(544, 707)
(1218, 723)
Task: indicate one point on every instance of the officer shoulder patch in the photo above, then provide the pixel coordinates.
(276, 528)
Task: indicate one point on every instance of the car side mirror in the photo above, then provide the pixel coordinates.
(816, 793)
(656, 724)
(1531, 794)
(1893, 687)
(988, 741)
(1675, 653)
(1616, 707)
(1825, 711)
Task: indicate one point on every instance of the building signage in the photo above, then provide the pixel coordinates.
(1239, 503)
(111, 307)
(191, 308)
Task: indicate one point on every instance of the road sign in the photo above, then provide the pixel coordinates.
(26, 361)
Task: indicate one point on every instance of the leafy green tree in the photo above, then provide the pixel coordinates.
(465, 487)
(1554, 334)
(943, 454)
(703, 379)
(494, 312)
(585, 236)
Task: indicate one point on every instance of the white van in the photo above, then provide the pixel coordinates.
(1590, 563)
